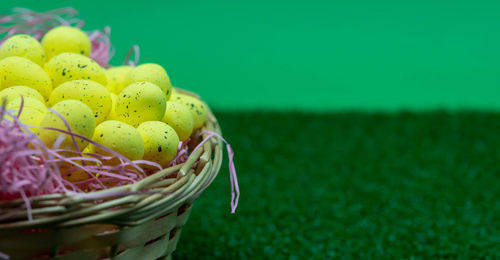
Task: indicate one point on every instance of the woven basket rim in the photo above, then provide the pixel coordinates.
(65, 210)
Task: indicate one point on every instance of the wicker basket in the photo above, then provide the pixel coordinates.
(139, 226)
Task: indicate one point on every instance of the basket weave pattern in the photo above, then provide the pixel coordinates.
(143, 224)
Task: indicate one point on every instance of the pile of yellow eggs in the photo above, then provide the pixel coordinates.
(131, 110)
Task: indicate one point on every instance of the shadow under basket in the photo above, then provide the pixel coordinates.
(138, 226)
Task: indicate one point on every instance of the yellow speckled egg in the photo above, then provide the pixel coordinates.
(71, 66)
(160, 142)
(93, 94)
(179, 118)
(18, 71)
(66, 39)
(117, 78)
(33, 110)
(23, 45)
(153, 73)
(74, 176)
(112, 112)
(197, 108)
(79, 117)
(140, 102)
(71, 174)
(173, 94)
(119, 137)
(12, 93)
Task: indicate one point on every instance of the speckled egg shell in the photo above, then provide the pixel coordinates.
(173, 94)
(153, 73)
(140, 102)
(73, 176)
(93, 94)
(160, 142)
(33, 110)
(71, 66)
(18, 71)
(179, 118)
(197, 108)
(79, 117)
(12, 93)
(66, 39)
(119, 137)
(112, 113)
(117, 78)
(23, 45)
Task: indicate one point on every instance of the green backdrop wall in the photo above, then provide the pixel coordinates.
(317, 55)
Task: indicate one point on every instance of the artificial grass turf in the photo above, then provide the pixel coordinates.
(353, 185)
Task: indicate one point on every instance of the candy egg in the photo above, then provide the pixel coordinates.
(74, 175)
(179, 118)
(153, 73)
(93, 94)
(12, 93)
(66, 39)
(117, 77)
(197, 108)
(112, 113)
(18, 71)
(23, 45)
(33, 110)
(140, 102)
(173, 94)
(160, 142)
(71, 66)
(79, 118)
(119, 137)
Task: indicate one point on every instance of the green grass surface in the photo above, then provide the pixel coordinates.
(400, 186)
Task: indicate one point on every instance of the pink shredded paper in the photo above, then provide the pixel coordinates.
(30, 168)
(235, 189)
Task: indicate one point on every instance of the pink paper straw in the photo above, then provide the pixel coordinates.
(235, 189)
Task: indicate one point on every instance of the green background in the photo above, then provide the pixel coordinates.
(313, 54)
